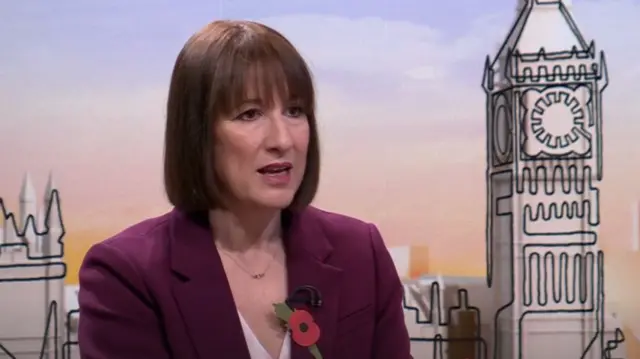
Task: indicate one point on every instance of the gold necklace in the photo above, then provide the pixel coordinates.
(258, 275)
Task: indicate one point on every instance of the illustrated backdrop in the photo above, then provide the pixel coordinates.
(401, 110)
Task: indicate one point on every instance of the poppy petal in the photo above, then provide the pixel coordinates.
(307, 338)
(298, 317)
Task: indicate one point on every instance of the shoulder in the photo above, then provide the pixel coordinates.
(149, 232)
(122, 291)
(348, 234)
(339, 224)
(142, 245)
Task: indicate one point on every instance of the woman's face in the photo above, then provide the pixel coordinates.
(261, 152)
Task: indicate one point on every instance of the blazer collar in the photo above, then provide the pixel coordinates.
(203, 294)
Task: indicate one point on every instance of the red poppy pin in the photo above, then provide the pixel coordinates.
(304, 330)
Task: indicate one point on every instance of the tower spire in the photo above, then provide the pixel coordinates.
(51, 185)
(28, 210)
(27, 192)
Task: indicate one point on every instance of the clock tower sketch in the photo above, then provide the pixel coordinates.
(544, 167)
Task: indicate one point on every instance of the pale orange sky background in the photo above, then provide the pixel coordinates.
(402, 131)
(441, 205)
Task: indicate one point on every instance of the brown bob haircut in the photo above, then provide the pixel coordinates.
(211, 77)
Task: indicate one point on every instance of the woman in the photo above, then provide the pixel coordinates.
(241, 168)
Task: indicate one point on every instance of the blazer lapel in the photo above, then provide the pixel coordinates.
(202, 292)
(307, 253)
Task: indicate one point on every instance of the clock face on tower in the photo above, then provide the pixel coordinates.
(502, 132)
(557, 122)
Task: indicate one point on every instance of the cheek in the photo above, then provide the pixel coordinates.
(227, 164)
(301, 145)
(231, 159)
(224, 165)
(301, 138)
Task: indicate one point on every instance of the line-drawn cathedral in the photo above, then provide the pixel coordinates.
(35, 322)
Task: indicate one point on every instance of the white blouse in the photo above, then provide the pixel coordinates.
(256, 350)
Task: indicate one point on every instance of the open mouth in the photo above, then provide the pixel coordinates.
(275, 169)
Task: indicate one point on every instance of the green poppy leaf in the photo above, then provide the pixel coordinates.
(315, 352)
(282, 311)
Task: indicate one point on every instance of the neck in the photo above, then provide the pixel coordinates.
(236, 231)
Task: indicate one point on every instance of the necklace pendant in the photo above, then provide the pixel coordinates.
(258, 276)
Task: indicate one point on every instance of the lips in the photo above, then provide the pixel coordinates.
(275, 168)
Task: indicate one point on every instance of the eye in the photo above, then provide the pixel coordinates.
(249, 115)
(294, 111)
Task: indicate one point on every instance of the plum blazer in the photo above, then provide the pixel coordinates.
(158, 290)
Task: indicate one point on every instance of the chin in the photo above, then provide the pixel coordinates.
(275, 200)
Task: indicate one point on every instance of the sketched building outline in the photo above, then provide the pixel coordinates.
(544, 167)
(32, 273)
(430, 316)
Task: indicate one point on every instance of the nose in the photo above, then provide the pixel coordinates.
(279, 137)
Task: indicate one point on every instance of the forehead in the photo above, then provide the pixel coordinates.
(266, 68)
(267, 82)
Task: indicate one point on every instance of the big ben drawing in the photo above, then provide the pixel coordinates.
(544, 165)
